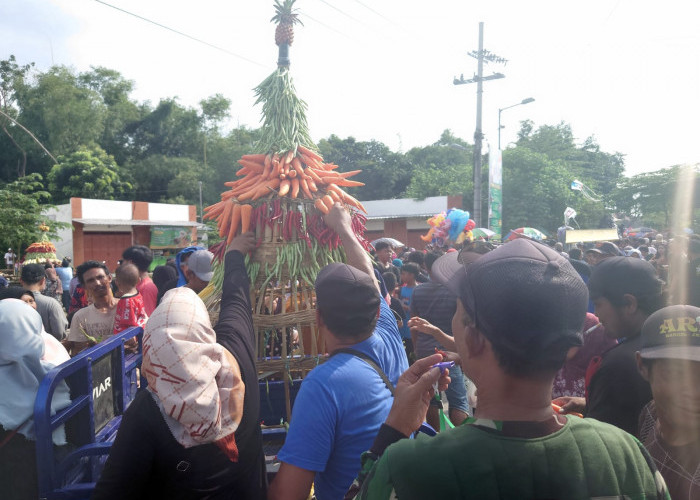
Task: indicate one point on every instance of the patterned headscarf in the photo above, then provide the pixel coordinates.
(196, 382)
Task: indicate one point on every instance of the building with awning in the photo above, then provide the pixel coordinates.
(102, 229)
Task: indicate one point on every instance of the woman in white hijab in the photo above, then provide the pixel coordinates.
(21, 370)
(176, 440)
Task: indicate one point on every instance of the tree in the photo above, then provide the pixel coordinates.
(113, 90)
(153, 175)
(386, 174)
(444, 168)
(63, 114)
(535, 190)
(649, 198)
(168, 130)
(12, 77)
(88, 173)
(21, 204)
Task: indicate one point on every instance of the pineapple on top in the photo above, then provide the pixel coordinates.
(286, 17)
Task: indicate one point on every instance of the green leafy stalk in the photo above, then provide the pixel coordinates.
(284, 115)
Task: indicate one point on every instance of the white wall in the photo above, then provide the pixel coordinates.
(165, 212)
(64, 244)
(106, 209)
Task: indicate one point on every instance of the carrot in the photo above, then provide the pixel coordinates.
(349, 183)
(212, 207)
(252, 166)
(225, 218)
(335, 196)
(295, 187)
(214, 210)
(303, 182)
(245, 186)
(309, 153)
(292, 174)
(288, 157)
(284, 187)
(265, 188)
(345, 175)
(296, 165)
(309, 161)
(256, 158)
(235, 221)
(267, 171)
(331, 174)
(312, 174)
(246, 210)
(268, 160)
(328, 201)
(333, 166)
(312, 185)
(242, 171)
(354, 202)
(321, 206)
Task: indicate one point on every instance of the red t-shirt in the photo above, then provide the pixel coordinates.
(130, 312)
(149, 291)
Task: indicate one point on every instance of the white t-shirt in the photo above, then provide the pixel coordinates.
(91, 321)
(9, 259)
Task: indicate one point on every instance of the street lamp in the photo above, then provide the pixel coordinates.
(524, 101)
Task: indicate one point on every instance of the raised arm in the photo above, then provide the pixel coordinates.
(235, 318)
(339, 220)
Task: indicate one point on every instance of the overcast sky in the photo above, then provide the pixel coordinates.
(624, 71)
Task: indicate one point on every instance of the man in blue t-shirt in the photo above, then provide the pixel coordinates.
(342, 403)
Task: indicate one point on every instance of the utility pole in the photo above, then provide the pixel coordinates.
(482, 56)
(201, 208)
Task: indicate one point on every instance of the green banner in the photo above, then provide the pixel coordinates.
(495, 193)
(171, 237)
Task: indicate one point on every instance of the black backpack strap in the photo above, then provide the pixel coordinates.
(370, 362)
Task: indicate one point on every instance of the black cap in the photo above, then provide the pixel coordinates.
(33, 273)
(607, 248)
(617, 276)
(525, 296)
(672, 332)
(347, 298)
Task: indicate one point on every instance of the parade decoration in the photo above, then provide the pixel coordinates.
(283, 189)
(449, 228)
(42, 251)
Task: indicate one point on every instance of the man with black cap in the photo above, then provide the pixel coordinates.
(669, 359)
(625, 292)
(342, 403)
(519, 316)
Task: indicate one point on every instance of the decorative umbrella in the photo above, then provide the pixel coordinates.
(391, 241)
(482, 232)
(528, 232)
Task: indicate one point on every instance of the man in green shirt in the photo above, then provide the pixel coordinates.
(519, 316)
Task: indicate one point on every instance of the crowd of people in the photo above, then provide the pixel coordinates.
(566, 374)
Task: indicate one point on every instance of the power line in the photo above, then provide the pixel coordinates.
(329, 27)
(225, 51)
(341, 11)
(389, 20)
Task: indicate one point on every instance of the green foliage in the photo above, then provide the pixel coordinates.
(386, 174)
(153, 177)
(21, 204)
(441, 169)
(63, 114)
(649, 197)
(88, 173)
(535, 190)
